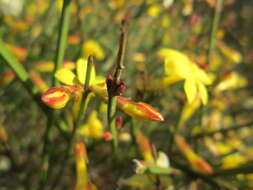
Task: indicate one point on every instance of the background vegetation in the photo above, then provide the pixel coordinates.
(176, 52)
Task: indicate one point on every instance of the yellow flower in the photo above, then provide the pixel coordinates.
(188, 7)
(154, 11)
(179, 67)
(66, 76)
(233, 160)
(115, 4)
(82, 177)
(93, 48)
(57, 98)
(188, 111)
(93, 127)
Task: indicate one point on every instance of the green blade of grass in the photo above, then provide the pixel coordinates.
(11, 60)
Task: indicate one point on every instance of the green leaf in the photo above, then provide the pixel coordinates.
(10, 59)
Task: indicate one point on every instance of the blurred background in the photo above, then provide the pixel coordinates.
(29, 29)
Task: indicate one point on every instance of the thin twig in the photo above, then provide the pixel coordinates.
(215, 23)
(121, 53)
(113, 85)
(244, 169)
(62, 37)
(224, 130)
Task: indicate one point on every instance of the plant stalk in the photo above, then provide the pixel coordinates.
(77, 121)
(112, 89)
(61, 46)
(215, 23)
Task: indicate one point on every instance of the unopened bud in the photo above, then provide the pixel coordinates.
(121, 88)
(139, 110)
(56, 98)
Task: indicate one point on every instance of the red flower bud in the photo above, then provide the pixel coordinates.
(56, 98)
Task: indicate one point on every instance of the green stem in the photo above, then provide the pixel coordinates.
(244, 169)
(112, 88)
(62, 37)
(236, 127)
(215, 23)
(46, 153)
(77, 121)
(61, 46)
(24, 77)
(112, 103)
(17, 67)
(174, 131)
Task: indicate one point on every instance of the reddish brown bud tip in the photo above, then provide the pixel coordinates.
(119, 122)
(121, 88)
(203, 66)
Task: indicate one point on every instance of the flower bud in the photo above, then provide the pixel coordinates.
(196, 162)
(139, 110)
(121, 88)
(56, 98)
(38, 81)
(144, 146)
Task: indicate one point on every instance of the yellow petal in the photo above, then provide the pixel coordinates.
(176, 63)
(190, 89)
(154, 11)
(100, 79)
(65, 76)
(93, 127)
(81, 67)
(188, 110)
(233, 160)
(160, 83)
(92, 47)
(203, 93)
(162, 160)
(201, 75)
